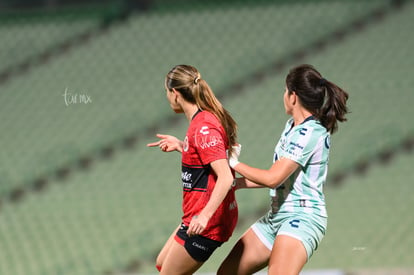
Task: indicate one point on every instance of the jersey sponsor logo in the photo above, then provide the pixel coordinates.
(294, 223)
(185, 176)
(210, 142)
(303, 131)
(293, 153)
(283, 144)
(186, 179)
(294, 149)
(205, 141)
(295, 145)
(194, 178)
(204, 130)
(291, 149)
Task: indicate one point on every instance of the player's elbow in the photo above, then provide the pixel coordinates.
(273, 182)
(226, 181)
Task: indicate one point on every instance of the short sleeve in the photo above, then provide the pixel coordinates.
(301, 145)
(209, 143)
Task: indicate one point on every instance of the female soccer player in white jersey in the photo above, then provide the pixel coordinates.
(285, 238)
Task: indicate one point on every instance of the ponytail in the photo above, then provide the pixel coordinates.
(334, 108)
(187, 80)
(206, 100)
(324, 99)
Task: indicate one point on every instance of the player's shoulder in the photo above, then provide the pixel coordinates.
(316, 126)
(207, 118)
(208, 115)
(311, 127)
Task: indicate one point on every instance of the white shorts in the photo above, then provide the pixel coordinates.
(302, 226)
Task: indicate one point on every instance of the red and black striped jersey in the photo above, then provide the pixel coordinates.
(204, 143)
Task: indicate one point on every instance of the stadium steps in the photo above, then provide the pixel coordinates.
(127, 91)
(119, 210)
(25, 39)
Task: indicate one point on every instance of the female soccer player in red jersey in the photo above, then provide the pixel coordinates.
(209, 206)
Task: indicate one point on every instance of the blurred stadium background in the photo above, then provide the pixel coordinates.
(81, 94)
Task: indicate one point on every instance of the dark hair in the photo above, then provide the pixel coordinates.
(324, 99)
(188, 82)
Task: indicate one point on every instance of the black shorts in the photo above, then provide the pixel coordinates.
(198, 247)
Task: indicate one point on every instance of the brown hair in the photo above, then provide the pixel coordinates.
(188, 82)
(324, 99)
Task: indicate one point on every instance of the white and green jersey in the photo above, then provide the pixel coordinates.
(308, 145)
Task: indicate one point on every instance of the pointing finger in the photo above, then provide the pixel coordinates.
(153, 144)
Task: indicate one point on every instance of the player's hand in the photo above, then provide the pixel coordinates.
(167, 143)
(234, 156)
(197, 225)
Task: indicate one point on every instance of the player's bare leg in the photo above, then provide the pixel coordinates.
(288, 256)
(164, 251)
(178, 261)
(248, 256)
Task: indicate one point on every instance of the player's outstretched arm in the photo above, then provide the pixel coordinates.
(278, 173)
(167, 143)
